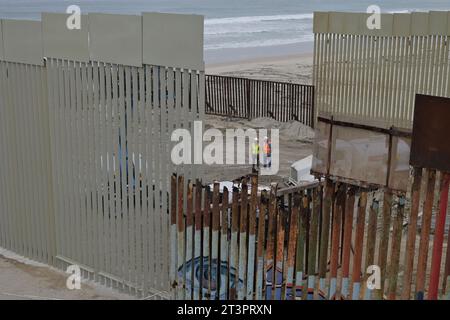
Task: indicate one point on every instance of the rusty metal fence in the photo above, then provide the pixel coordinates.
(248, 98)
(320, 241)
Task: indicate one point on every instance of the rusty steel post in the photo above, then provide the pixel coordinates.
(198, 235)
(301, 246)
(181, 240)
(313, 244)
(206, 270)
(425, 235)
(439, 238)
(243, 226)
(270, 253)
(215, 242)
(252, 237)
(173, 235)
(224, 242)
(260, 246)
(293, 232)
(279, 258)
(325, 235)
(347, 245)
(371, 243)
(384, 243)
(395, 249)
(412, 232)
(359, 241)
(189, 240)
(335, 240)
(446, 280)
(234, 249)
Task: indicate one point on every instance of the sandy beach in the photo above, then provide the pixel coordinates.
(293, 68)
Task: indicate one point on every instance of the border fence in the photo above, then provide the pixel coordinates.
(249, 99)
(324, 240)
(85, 127)
(372, 76)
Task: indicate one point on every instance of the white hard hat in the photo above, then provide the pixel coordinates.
(256, 139)
(266, 138)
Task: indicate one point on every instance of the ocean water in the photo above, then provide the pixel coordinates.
(231, 26)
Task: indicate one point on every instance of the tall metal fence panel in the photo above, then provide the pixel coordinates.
(86, 122)
(372, 75)
(248, 98)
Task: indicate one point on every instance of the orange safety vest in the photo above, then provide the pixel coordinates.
(267, 148)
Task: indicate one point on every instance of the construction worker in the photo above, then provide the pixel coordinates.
(267, 155)
(255, 153)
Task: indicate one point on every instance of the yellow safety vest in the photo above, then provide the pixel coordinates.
(255, 148)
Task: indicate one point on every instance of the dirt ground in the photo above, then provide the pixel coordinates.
(296, 142)
(32, 281)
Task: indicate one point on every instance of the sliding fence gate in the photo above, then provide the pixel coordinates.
(85, 141)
